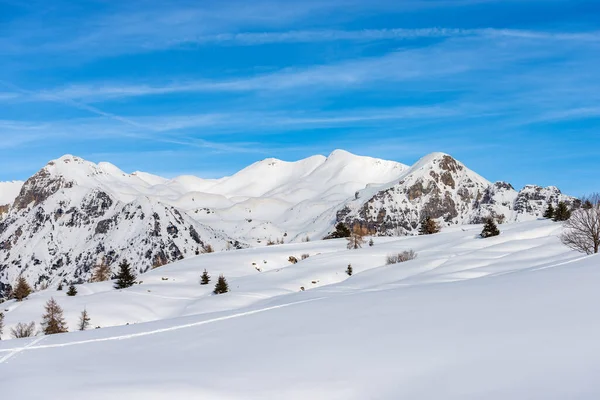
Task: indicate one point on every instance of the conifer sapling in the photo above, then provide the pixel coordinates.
(125, 277)
(549, 213)
(205, 278)
(490, 229)
(72, 290)
(349, 270)
(222, 286)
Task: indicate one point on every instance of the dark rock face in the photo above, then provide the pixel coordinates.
(38, 188)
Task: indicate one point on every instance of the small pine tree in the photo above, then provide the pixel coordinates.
(205, 278)
(562, 212)
(490, 229)
(125, 277)
(428, 226)
(84, 320)
(60, 287)
(371, 242)
(53, 320)
(222, 286)
(549, 213)
(22, 290)
(72, 290)
(1, 324)
(341, 231)
(349, 270)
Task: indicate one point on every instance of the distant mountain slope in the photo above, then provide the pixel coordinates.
(74, 214)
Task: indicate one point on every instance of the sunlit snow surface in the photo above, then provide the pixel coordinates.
(511, 317)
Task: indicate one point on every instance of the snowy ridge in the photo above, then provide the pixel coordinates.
(74, 214)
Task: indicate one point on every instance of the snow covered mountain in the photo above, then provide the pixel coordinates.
(74, 214)
(441, 187)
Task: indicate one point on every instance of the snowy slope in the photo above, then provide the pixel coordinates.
(506, 317)
(74, 214)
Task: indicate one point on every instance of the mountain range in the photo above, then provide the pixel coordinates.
(73, 215)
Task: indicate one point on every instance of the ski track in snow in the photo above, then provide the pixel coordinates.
(32, 346)
(14, 352)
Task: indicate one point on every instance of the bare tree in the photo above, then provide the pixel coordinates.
(53, 321)
(356, 240)
(84, 320)
(1, 324)
(582, 230)
(23, 330)
(101, 272)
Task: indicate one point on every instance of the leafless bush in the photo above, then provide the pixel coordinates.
(23, 330)
(293, 260)
(304, 256)
(582, 230)
(406, 255)
(207, 248)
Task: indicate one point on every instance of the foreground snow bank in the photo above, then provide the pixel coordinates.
(525, 328)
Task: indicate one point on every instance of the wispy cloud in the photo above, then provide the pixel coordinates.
(308, 36)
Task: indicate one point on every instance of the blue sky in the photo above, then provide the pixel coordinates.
(511, 88)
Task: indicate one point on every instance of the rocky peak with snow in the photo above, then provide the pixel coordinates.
(440, 187)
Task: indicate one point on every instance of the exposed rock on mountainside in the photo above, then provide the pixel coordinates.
(442, 188)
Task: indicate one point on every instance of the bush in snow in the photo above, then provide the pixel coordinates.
(23, 330)
(406, 255)
(304, 256)
(349, 270)
(371, 242)
(293, 260)
(428, 226)
(489, 229)
(222, 286)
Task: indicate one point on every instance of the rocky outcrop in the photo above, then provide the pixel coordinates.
(442, 188)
